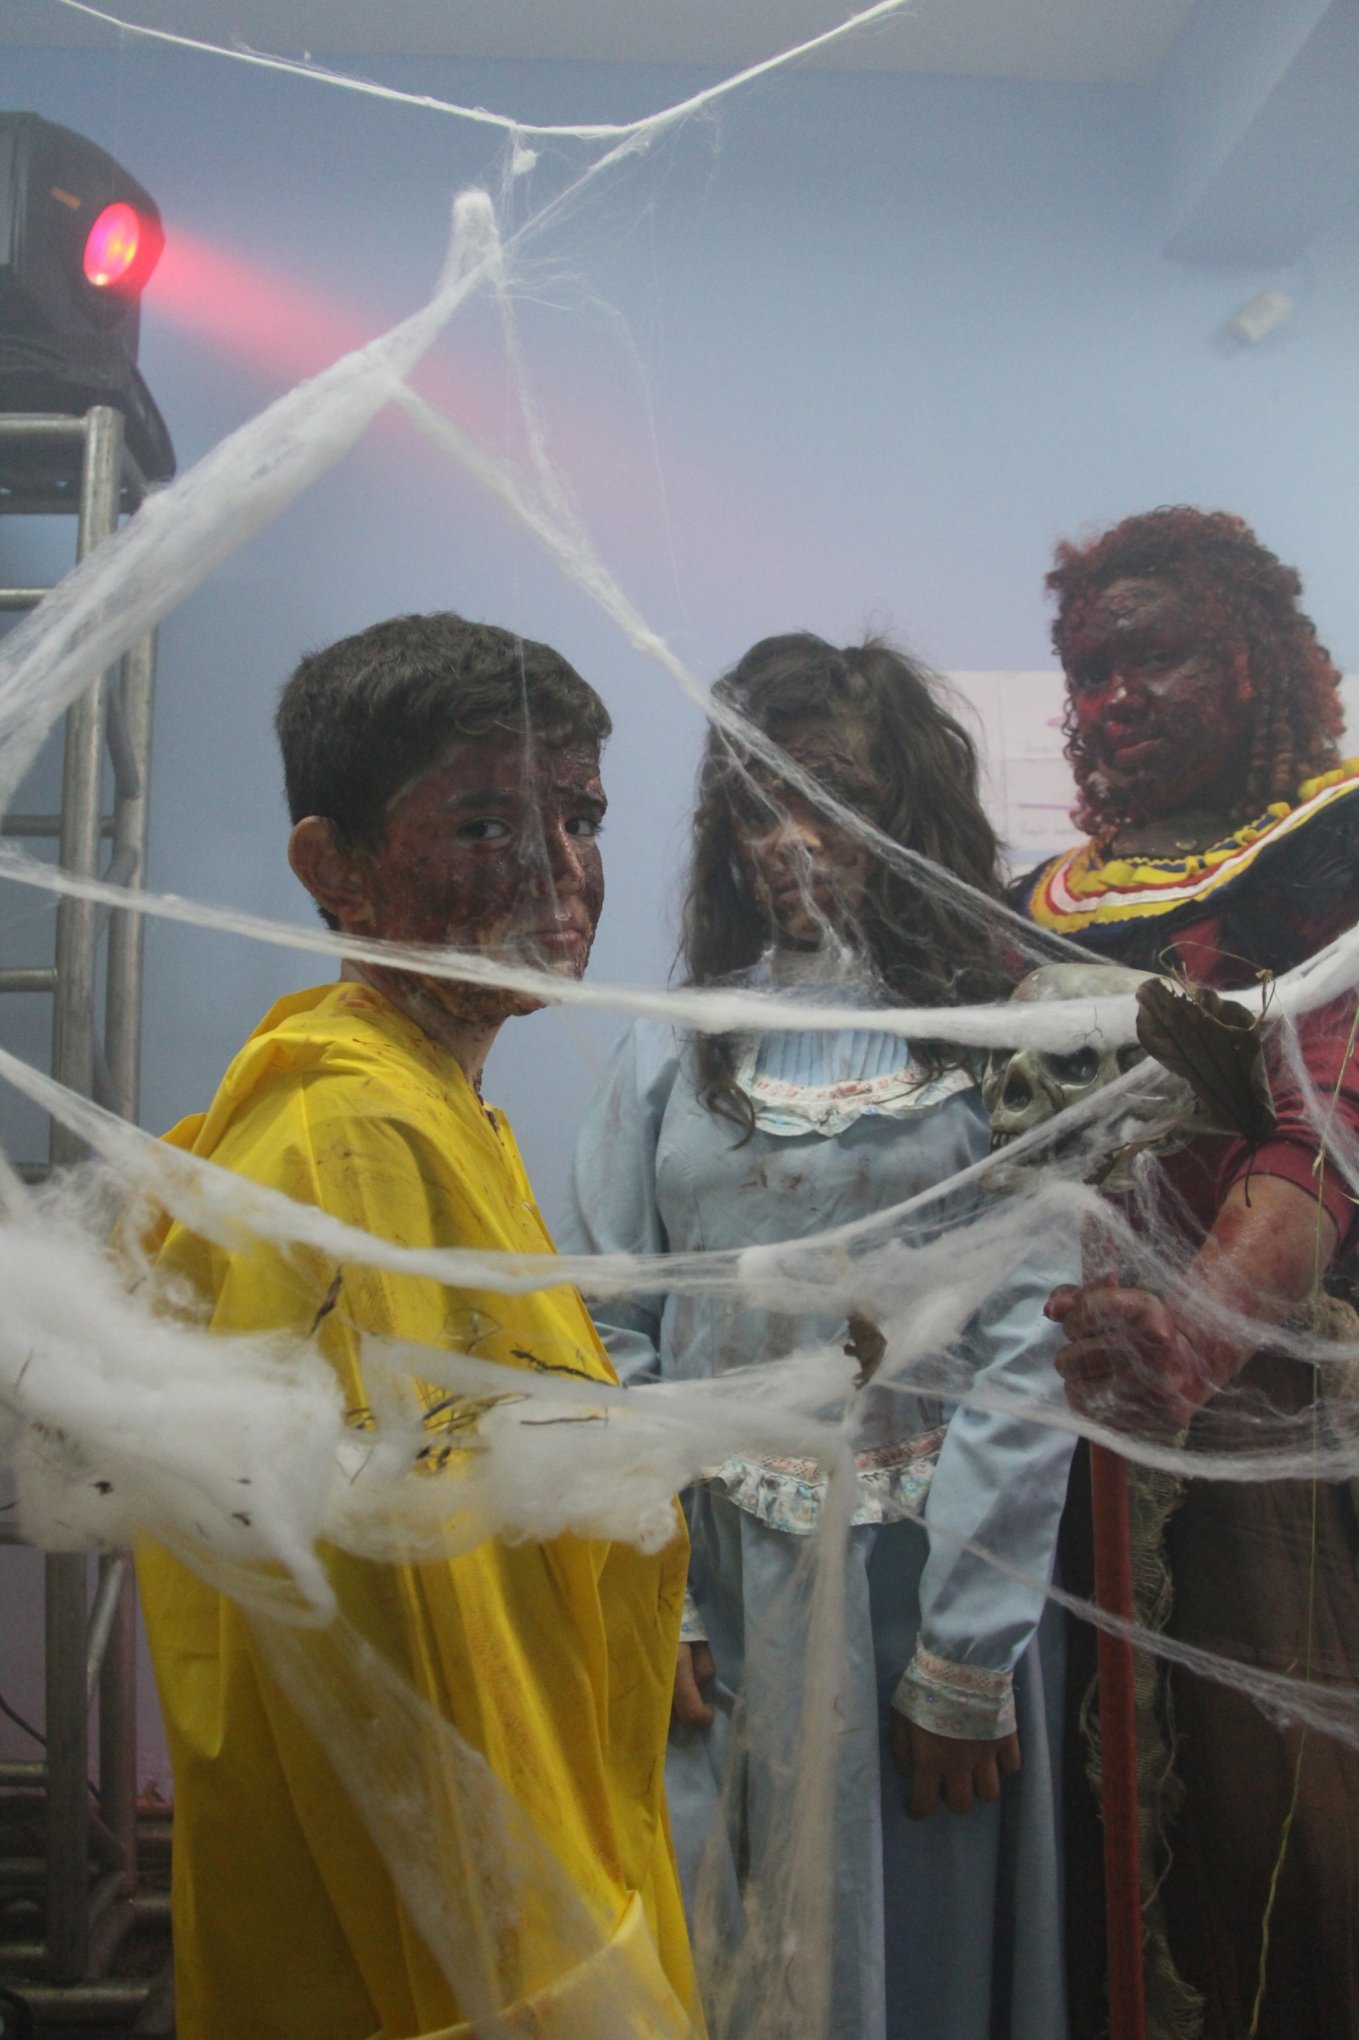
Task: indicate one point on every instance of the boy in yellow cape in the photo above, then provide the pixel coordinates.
(443, 780)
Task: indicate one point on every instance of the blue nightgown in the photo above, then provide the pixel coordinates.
(948, 1929)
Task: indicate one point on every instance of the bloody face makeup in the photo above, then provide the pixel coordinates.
(808, 872)
(1155, 707)
(496, 849)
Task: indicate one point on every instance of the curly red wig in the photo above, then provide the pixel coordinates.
(1248, 601)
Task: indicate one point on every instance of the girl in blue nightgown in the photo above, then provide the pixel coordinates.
(946, 1927)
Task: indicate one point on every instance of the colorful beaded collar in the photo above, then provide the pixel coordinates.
(1081, 887)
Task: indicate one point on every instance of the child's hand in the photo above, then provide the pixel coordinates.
(949, 1767)
(694, 1667)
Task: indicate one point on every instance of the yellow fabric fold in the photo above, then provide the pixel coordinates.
(552, 1662)
(586, 2003)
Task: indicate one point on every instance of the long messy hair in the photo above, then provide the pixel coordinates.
(925, 797)
(1252, 626)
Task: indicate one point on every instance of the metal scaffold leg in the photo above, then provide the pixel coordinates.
(77, 1866)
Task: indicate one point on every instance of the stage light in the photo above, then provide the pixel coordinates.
(122, 248)
(79, 238)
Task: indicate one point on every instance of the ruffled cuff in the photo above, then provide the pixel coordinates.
(693, 1629)
(965, 1701)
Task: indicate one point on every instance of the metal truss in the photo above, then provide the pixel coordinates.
(71, 1892)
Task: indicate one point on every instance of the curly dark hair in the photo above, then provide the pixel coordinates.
(925, 797)
(1252, 625)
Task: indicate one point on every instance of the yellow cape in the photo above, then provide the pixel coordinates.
(553, 1661)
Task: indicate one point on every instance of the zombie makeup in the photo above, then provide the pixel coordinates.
(1153, 713)
(808, 873)
(494, 849)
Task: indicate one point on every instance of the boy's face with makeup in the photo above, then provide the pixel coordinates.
(495, 848)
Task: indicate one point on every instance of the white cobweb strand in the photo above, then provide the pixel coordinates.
(183, 533)
(118, 1423)
(636, 132)
(1055, 1025)
(1067, 1023)
(540, 507)
(235, 491)
(238, 1451)
(115, 1424)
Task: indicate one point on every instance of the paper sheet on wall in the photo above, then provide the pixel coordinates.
(1027, 782)
(1026, 779)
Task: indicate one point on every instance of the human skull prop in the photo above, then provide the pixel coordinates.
(1023, 1088)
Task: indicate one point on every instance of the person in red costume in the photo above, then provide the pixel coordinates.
(1223, 832)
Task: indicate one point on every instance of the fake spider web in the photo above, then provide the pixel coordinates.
(119, 1424)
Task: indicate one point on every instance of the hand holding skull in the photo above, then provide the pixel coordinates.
(1148, 1363)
